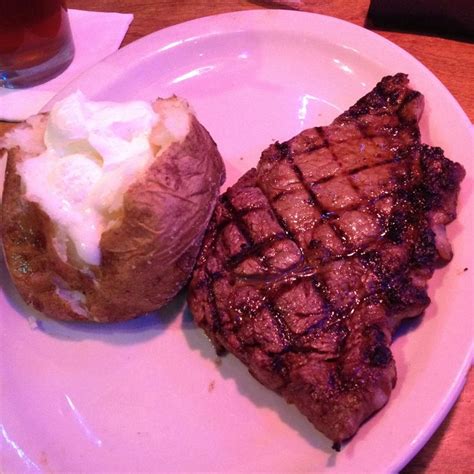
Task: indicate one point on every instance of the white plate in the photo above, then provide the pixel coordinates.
(150, 394)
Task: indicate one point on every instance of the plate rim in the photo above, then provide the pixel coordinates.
(250, 13)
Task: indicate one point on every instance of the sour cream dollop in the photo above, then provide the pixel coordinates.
(94, 151)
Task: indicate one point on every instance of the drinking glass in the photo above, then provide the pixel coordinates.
(35, 41)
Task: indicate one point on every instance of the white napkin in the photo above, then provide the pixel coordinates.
(96, 35)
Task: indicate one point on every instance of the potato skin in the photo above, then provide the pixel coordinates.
(146, 259)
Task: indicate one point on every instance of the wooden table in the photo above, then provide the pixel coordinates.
(452, 61)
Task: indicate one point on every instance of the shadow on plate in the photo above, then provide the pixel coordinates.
(137, 330)
(230, 367)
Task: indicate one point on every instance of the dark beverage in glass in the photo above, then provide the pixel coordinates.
(35, 41)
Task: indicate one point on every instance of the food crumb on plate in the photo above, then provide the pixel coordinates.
(33, 322)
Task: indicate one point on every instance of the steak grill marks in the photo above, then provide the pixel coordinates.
(312, 259)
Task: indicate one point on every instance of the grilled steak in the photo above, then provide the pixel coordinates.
(313, 258)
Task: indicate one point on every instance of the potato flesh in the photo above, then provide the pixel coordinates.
(94, 152)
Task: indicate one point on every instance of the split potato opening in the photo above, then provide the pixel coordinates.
(105, 205)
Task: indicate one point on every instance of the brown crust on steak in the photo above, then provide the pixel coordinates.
(313, 258)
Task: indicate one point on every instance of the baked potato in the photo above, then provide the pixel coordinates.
(133, 242)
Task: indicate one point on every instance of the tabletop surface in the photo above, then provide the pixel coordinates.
(450, 59)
